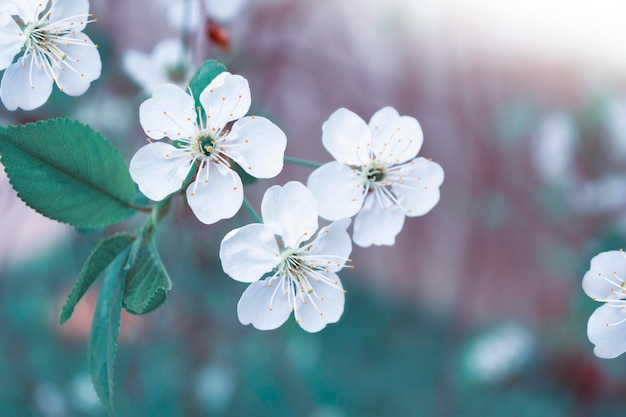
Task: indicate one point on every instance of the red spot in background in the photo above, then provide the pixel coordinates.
(218, 35)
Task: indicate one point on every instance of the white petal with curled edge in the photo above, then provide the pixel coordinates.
(347, 137)
(82, 65)
(25, 85)
(323, 306)
(72, 13)
(606, 329)
(249, 252)
(226, 98)
(290, 212)
(159, 169)
(418, 191)
(332, 246)
(375, 225)
(258, 146)
(606, 276)
(216, 194)
(395, 138)
(254, 305)
(338, 190)
(170, 112)
(10, 40)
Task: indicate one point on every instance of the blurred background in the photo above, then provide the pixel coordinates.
(478, 308)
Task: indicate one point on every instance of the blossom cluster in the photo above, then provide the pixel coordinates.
(377, 176)
(200, 142)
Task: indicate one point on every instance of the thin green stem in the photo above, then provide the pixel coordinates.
(301, 162)
(251, 210)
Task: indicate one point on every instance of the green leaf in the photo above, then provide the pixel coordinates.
(105, 330)
(99, 259)
(68, 172)
(147, 282)
(203, 77)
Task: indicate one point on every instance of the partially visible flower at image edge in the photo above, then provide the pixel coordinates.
(606, 282)
(287, 267)
(205, 141)
(47, 37)
(376, 174)
(169, 62)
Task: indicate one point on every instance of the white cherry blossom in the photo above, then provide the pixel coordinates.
(289, 269)
(606, 282)
(169, 62)
(201, 138)
(47, 37)
(376, 174)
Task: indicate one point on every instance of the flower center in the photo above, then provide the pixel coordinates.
(297, 269)
(39, 39)
(206, 144)
(374, 175)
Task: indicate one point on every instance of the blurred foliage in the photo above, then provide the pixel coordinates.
(192, 358)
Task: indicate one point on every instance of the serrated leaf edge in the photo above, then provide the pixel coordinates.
(19, 194)
(157, 258)
(76, 286)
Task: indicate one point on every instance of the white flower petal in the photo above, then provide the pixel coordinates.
(419, 191)
(216, 194)
(254, 305)
(395, 138)
(226, 98)
(10, 40)
(169, 52)
(141, 69)
(375, 225)
(605, 276)
(605, 333)
(258, 146)
(81, 66)
(249, 252)
(224, 10)
(25, 85)
(323, 306)
(347, 137)
(173, 60)
(29, 10)
(159, 169)
(334, 244)
(170, 112)
(76, 9)
(8, 8)
(338, 190)
(290, 212)
(168, 57)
